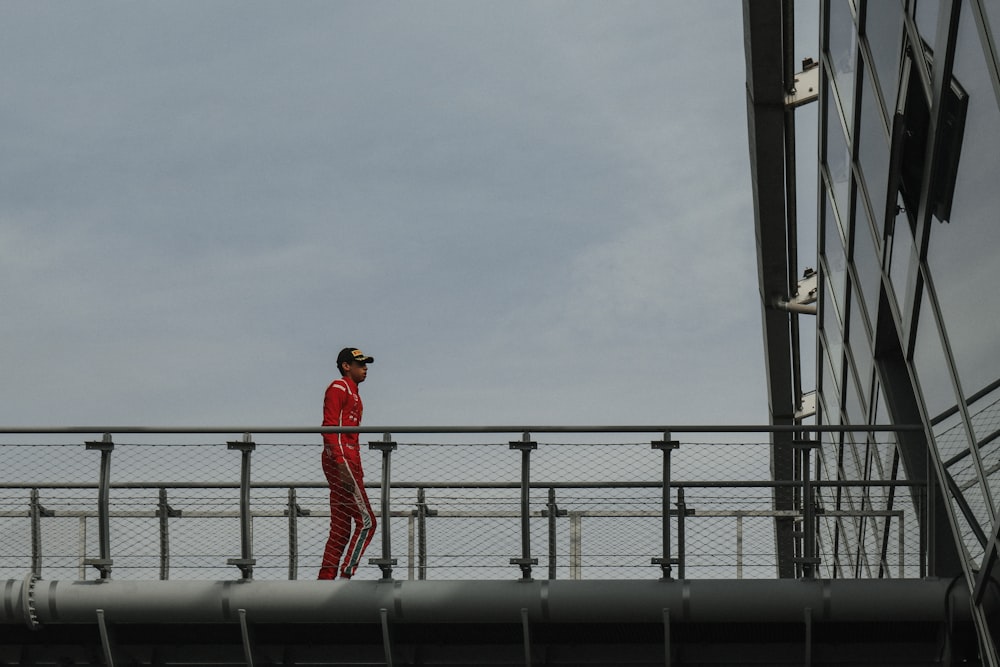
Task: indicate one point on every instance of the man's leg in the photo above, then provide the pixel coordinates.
(364, 524)
(341, 504)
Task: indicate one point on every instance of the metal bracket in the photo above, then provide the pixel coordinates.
(102, 565)
(807, 406)
(806, 86)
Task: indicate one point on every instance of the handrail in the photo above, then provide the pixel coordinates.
(688, 428)
(553, 458)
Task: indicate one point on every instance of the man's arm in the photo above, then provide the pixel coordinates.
(333, 409)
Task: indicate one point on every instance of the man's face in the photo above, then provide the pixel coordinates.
(358, 371)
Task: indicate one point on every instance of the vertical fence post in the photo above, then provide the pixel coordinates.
(293, 512)
(525, 445)
(739, 545)
(103, 562)
(575, 545)
(164, 511)
(808, 560)
(666, 446)
(421, 533)
(386, 562)
(37, 511)
(552, 511)
(246, 561)
(681, 514)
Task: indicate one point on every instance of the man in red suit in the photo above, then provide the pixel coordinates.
(352, 521)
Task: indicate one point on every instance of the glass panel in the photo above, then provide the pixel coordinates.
(931, 366)
(903, 259)
(993, 14)
(873, 147)
(866, 260)
(856, 412)
(861, 351)
(843, 53)
(834, 336)
(836, 258)
(838, 159)
(830, 384)
(884, 30)
(962, 255)
(927, 17)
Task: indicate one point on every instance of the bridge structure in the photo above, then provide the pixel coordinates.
(642, 545)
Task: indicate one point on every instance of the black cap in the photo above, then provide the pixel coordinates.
(353, 354)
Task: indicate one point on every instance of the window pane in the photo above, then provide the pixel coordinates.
(857, 413)
(843, 53)
(963, 255)
(902, 260)
(873, 147)
(836, 259)
(927, 17)
(993, 16)
(829, 387)
(866, 260)
(838, 159)
(931, 365)
(884, 30)
(834, 339)
(861, 349)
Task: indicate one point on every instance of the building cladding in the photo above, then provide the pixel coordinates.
(909, 260)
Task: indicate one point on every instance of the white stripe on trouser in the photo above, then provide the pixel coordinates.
(359, 537)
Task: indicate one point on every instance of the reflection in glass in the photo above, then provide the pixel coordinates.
(856, 411)
(866, 260)
(860, 348)
(993, 11)
(927, 18)
(838, 160)
(932, 371)
(843, 53)
(884, 24)
(873, 146)
(962, 255)
(836, 259)
(834, 335)
(829, 384)
(902, 259)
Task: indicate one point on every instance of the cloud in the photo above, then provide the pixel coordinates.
(205, 202)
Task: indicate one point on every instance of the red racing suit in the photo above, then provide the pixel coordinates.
(342, 407)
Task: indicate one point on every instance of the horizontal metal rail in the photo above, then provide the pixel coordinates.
(632, 428)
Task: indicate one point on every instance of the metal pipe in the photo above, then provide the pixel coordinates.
(692, 601)
(163, 509)
(681, 513)
(103, 562)
(246, 560)
(35, 509)
(421, 533)
(293, 536)
(552, 511)
(525, 561)
(666, 446)
(386, 562)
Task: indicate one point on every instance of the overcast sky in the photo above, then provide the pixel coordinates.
(528, 213)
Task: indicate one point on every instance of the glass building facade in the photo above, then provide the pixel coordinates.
(908, 324)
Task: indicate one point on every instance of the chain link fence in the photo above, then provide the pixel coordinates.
(588, 506)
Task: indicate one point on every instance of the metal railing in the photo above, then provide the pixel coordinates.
(620, 522)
